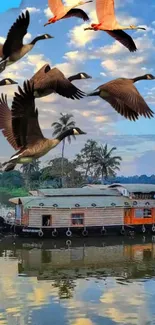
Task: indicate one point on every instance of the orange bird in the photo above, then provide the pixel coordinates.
(60, 11)
(107, 22)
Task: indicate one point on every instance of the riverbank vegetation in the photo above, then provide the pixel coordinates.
(95, 163)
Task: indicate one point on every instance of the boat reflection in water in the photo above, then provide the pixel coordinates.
(79, 283)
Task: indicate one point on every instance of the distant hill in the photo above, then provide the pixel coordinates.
(142, 179)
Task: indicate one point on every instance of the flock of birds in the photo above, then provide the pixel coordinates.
(20, 124)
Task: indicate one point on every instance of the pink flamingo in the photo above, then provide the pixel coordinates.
(107, 22)
(60, 11)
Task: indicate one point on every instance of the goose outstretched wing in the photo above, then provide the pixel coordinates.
(1, 50)
(125, 98)
(25, 123)
(54, 79)
(16, 34)
(6, 122)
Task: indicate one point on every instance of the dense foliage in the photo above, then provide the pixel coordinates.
(94, 164)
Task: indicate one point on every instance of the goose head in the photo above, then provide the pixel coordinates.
(77, 131)
(83, 75)
(72, 131)
(7, 82)
(149, 76)
(46, 36)
(79, 76)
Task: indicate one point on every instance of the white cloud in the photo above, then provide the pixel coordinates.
(36, 61)
(2, 39)
(32, 10)
(75, 56)
(79, 38)
(48, 13)
(28, 37)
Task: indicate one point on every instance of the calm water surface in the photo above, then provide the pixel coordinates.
(90, 282)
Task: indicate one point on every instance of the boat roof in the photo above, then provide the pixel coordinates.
(73, 201)
(133, 188)
(78, 192)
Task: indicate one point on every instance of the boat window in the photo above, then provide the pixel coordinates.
(77, 219)
(143, 213)
(147, 213)
(139, 213)
(46, 220)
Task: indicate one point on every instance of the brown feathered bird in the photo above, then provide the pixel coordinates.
(124, 97)
(47, 80)
(13, 49)
(21, 128)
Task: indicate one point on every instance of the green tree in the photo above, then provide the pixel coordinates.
(62, 125)
(29, 171)
(85, 159)
(53, 172)
(105, 163)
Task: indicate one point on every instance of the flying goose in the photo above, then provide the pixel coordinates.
(107, 22)
(124, 97)
(21, 128)
(79, 76)
(47, 80)
(13, 49)
(7, 82)
(60, 11)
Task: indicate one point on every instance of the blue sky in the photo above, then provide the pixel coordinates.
(8, 4)
(73, 50)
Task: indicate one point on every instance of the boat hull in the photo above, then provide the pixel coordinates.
(82, 232)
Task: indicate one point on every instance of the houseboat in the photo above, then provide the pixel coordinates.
(100, 210)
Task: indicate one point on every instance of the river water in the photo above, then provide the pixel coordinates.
(90, 282)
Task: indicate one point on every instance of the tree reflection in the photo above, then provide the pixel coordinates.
(65, 287)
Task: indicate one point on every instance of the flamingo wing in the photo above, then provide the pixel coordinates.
(6, 122)
(79, 13)
(124, 97)
(123, 38)
(56, 6)
(105, 11)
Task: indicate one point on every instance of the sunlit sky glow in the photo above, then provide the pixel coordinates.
(72, 51)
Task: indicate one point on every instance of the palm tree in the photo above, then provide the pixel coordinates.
(106, 163)
(59, 127)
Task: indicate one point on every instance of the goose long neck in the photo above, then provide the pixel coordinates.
(63, 135)
(72, 78)
(36, 39)
(139, 78)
